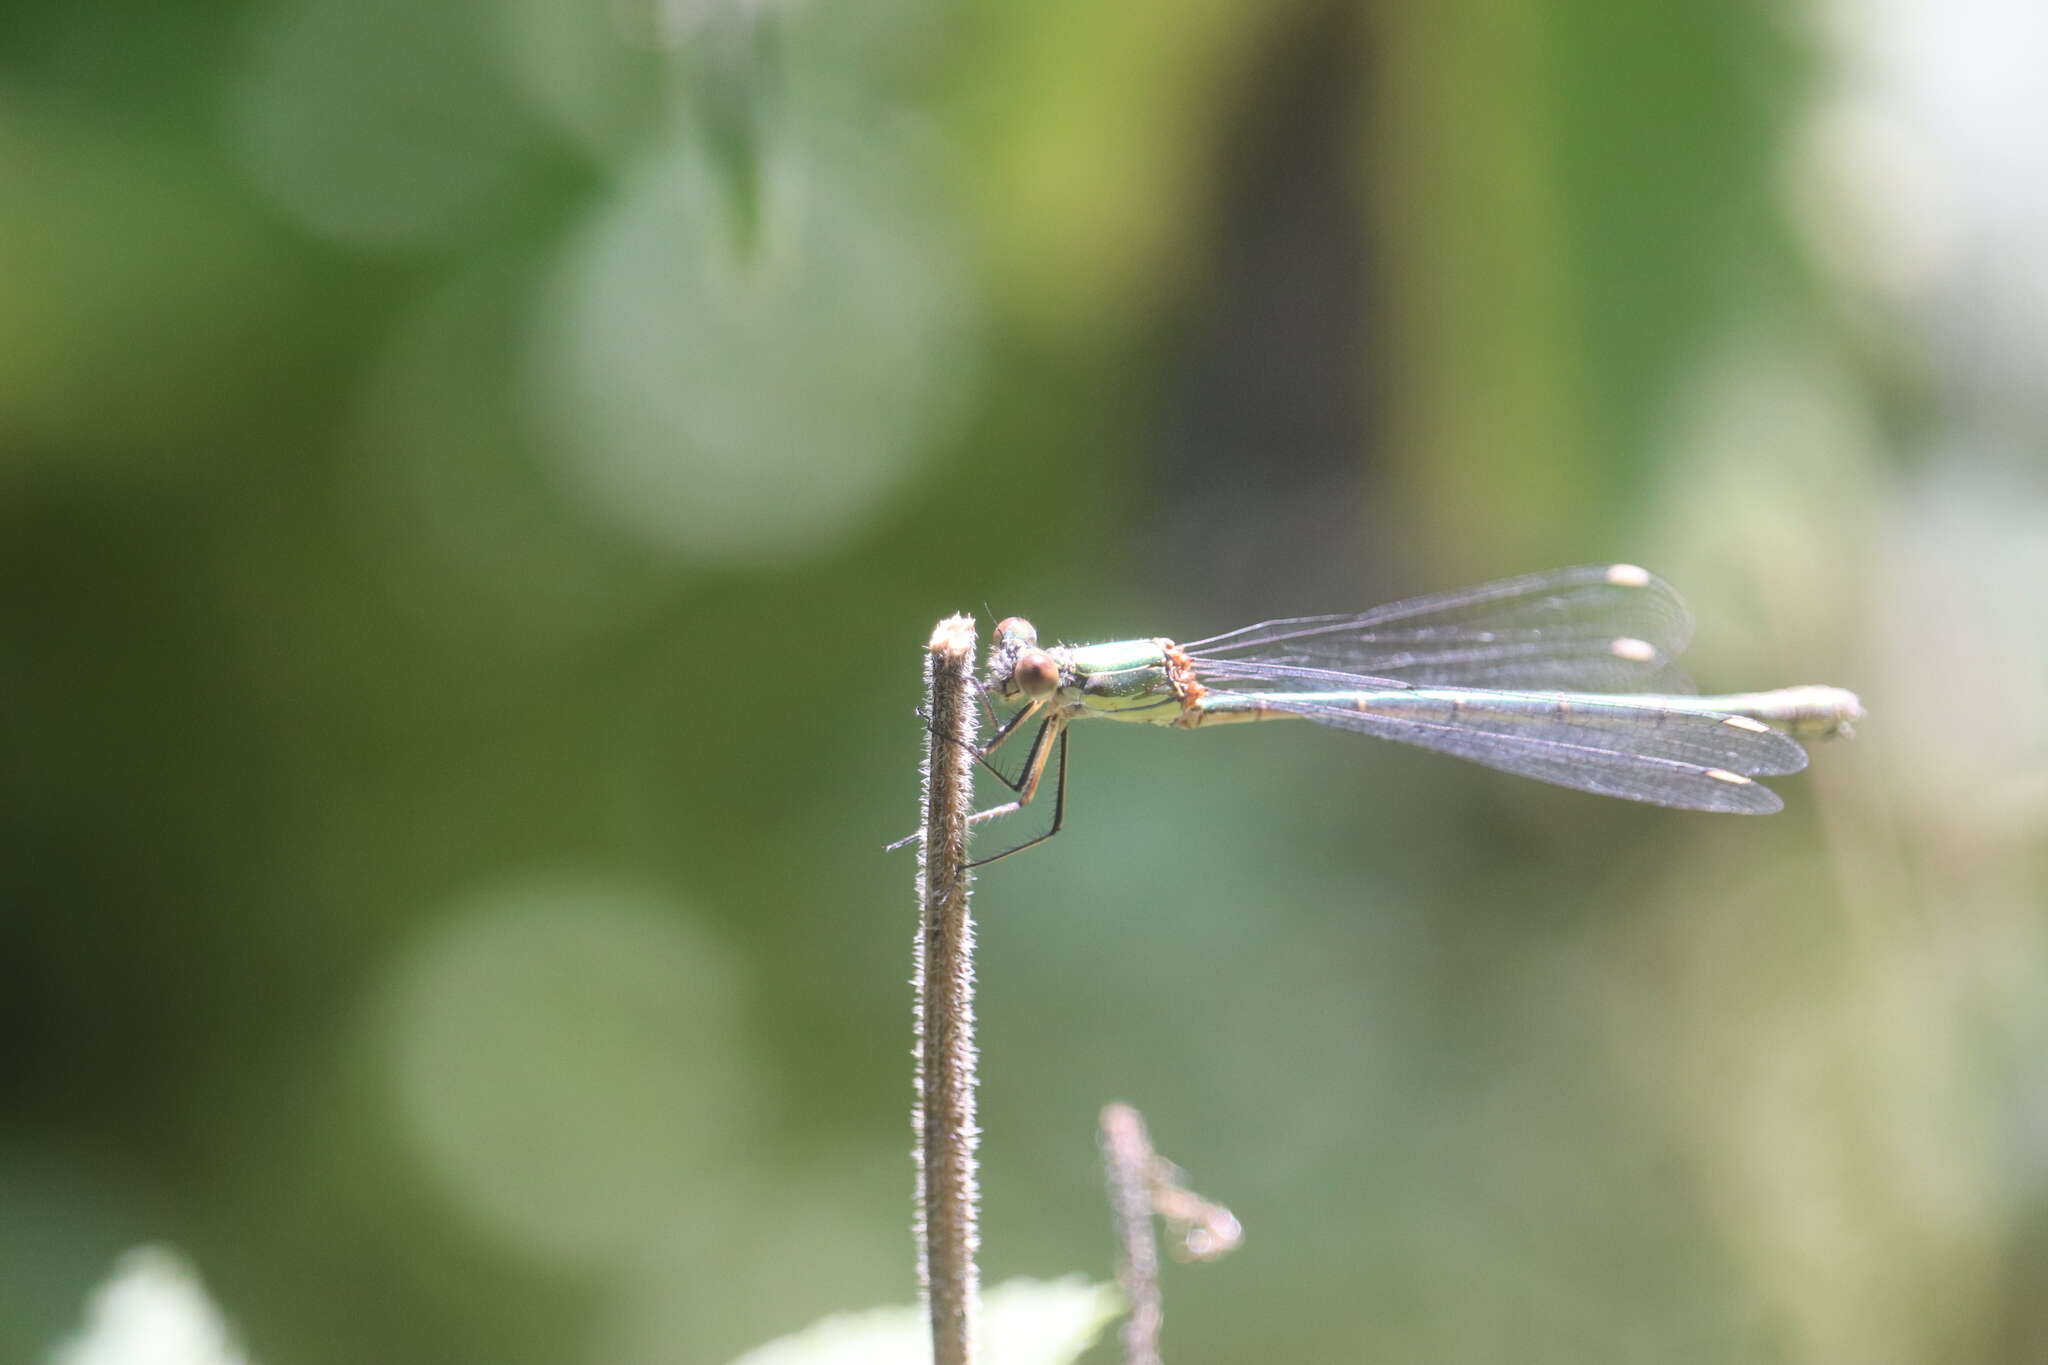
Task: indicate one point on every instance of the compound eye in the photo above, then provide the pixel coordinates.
(1015, 630)
(1035, 674)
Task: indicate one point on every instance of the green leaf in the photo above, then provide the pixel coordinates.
(1023, 1322)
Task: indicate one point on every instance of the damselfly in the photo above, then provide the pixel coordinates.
(1564, 676)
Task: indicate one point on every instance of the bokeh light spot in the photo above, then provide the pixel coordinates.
(583, 73)
(455, 507)
(566, 1060)
(377, 123)
(732, 395)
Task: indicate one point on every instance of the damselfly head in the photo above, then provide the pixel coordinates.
(1017, 641)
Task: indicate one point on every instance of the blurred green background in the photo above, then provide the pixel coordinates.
(476, 478)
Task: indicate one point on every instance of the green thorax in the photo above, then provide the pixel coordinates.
(1121, 681)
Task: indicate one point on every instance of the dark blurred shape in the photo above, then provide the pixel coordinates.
(1270, 419)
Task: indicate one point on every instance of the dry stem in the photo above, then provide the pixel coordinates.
(947, 1198)
(1141, 1184)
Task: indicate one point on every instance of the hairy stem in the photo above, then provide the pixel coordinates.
(947, 1197)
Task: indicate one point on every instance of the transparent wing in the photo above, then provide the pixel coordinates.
(1639, 753)
(1594, 628)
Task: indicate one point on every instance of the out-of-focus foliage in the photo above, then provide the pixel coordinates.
(474, 480)
(151, 1311)
(1023, 1322)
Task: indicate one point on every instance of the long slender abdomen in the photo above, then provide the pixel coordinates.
(1229, 708)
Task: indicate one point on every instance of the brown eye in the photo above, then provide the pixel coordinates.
(1015, 630)
(1035, 674)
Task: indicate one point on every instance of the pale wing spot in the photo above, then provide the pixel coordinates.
(1745, 723)
(1723, 775)
(1628, 576)
(1634, 650)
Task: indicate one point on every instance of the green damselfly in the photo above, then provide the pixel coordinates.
(1563, 676)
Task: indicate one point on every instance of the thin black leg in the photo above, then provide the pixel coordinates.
(1026, 782)
(1059, 806)
(981, 754)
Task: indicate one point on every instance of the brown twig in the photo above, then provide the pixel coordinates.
(947, 1198)
(1143, 1184)
(1127, 1157)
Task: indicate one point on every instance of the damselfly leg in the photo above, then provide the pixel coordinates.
(1025, 784)
(1041, 748)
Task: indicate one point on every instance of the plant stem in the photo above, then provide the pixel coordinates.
(1143, 1184)
(1128, 1160)
(947, 1197)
